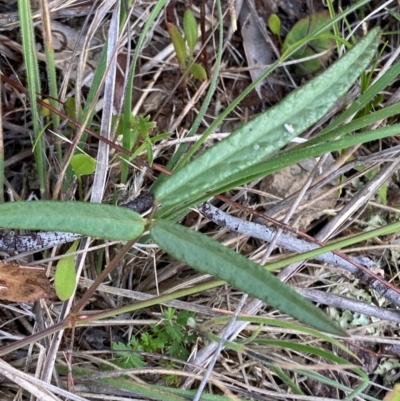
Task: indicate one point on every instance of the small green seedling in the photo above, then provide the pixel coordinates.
(82, 164)
(45, 111)
(142, 126)
(184, 45)
(321, 44)
(139, 132)
(171, 337)
(274, 25)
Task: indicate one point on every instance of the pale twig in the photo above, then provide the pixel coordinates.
(294, 206)
(293, 244)
(351, 304)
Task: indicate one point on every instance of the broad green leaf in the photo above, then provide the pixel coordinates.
(92, 219)
(198, 72)
(373, 91)
(294, 155)
(209, 256)
(274, 24)
(190, 29)
(302, 29)
(65, 276)
(267, 132)
(178, 43)
(289, 157)
(83, 164)
(44, 111)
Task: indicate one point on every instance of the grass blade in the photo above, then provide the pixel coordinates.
(32, 73)
(129, 87)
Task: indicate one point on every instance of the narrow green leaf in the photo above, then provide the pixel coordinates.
(284, 324)
(92, 219)
(209, 256)
(52, 75)
(86, 116)
(65, 276)
(34, 87)
(269, 131)
(190, 29)
(292, 384)
(198, 72)
(178, 43)
(83, 164)
(70, 110)
(150, 392)
(179, 158)
(150, 156)
(129, 104)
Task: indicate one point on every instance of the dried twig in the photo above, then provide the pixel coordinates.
(290, 243)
